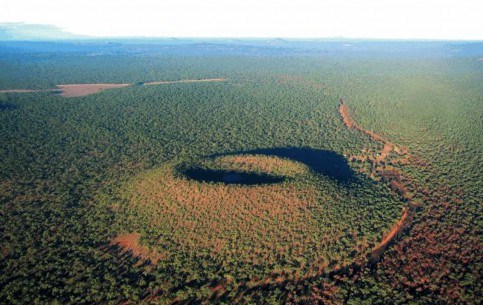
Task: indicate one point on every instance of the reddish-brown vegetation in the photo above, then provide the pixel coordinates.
(440, 240)
(424, 261)
(275, 228)
(205, 216)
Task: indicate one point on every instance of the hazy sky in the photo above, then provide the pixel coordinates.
(427, 19)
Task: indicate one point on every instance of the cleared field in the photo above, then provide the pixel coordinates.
(75, 90)
(71, 90)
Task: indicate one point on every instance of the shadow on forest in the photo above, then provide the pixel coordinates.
(324, 162)
(7, 107)
(230, 177)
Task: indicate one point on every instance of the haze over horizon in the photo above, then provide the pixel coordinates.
(373, 19)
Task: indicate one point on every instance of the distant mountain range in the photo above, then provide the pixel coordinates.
(21, 37)
(23, 31)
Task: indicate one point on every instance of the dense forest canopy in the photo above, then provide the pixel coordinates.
(79, 173)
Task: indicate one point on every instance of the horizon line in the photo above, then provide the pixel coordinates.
(314, 38)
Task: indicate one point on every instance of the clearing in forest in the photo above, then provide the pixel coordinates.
(130, 242)
(75, 90)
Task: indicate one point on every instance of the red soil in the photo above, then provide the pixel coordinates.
(386, 150)
(130, 242)
(206, 80)
(396, 228)
(344, 112)
(392, 176)
(74, 90)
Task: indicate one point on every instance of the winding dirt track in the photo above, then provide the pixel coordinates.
(350, 123)
(396, 184)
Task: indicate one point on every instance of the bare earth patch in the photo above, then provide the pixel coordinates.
(75, 90)
(130, 242)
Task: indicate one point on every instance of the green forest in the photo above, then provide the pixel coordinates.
(280, 184)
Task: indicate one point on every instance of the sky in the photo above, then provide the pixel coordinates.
(386, 19)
